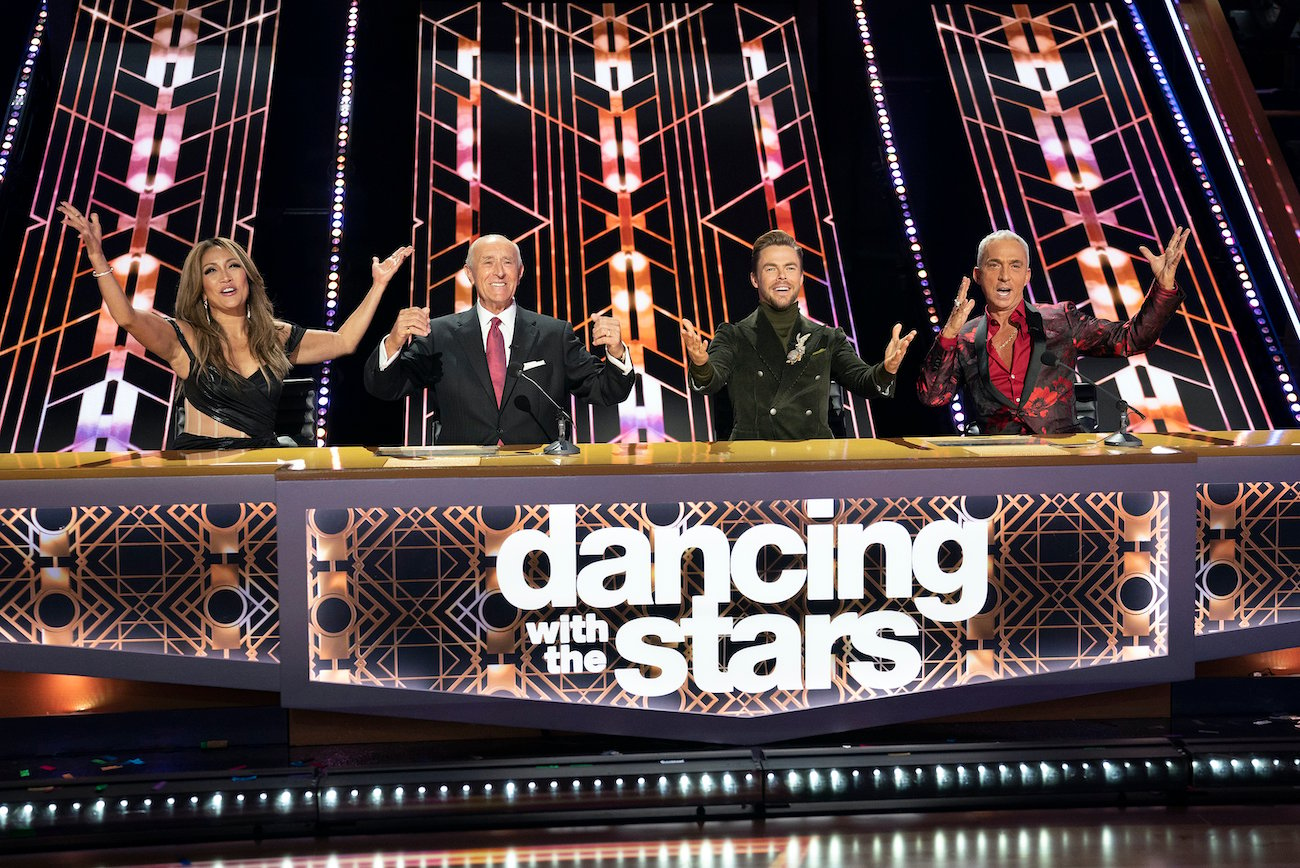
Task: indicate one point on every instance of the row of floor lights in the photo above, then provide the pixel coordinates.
(1029, 775)
(1218, 769)
(880, 780)
(985, 776)
(889, 778)
(23, 816)
(706, 783)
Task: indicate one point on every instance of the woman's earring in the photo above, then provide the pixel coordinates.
(206, 309)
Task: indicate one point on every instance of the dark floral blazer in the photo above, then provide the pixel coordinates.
(1047, 401)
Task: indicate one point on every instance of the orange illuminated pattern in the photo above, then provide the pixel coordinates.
(1247, 555)
(159, 127)
(1069, 155)
(181, 580)
(634, 151)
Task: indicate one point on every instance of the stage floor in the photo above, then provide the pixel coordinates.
(1256, 835)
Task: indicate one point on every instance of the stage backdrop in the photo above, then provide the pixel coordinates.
(1072, 148)
(634, 151)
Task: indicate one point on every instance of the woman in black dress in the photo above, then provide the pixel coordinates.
(227, 348)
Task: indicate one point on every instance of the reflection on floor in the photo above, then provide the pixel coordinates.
(1258, 835)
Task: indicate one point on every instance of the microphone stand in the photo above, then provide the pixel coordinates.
(562, 444)
(1122, 437)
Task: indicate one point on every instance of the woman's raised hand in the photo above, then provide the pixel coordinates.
(91, 234)
(382, 270)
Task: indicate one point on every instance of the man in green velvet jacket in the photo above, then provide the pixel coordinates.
(776, 364)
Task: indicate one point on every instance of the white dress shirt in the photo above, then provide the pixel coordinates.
(507, 333)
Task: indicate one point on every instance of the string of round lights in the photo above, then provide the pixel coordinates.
(337, 200)
(19, 99)
(1245, 279)
(913, 241)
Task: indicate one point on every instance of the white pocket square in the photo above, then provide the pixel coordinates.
(535, 363)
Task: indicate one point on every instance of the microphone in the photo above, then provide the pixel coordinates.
(1122, 437)
(562, 444)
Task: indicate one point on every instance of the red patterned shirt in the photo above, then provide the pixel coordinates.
(1008, 381)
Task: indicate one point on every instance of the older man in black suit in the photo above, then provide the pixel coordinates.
(477, 363)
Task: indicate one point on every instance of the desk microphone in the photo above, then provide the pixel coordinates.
(1122, 437)
(563, 444)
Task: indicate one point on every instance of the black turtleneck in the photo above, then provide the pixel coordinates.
(782, 321)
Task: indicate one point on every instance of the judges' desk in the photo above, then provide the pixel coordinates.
(729, 591)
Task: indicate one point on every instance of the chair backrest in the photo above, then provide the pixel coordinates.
(720, 414)
(1085, 406)
(1085, 412)
(176, 424)
(295, 417)
(835, 416)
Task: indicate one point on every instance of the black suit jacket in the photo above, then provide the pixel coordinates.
(451, 364)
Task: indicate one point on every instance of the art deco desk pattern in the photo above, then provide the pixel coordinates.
(741, 591)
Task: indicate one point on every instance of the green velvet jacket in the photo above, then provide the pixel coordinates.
(782, 393)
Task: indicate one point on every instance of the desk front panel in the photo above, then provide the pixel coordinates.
(725, 600)
(154, 578)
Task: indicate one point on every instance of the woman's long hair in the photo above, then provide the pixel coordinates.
(263, 341)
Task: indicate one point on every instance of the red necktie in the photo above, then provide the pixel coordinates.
(496, 357)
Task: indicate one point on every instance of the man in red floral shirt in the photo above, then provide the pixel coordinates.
(997, 357)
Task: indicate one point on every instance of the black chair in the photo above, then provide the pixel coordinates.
(1085, 407)
(295, 417)
(720, 414)
(836, 418)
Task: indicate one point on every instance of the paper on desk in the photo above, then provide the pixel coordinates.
(441, 461)
(1014, 450)
(434, 451)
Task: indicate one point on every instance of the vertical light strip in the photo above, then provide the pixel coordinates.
(342, 138)
(1262, 320)
(19, 99)
(900, 187)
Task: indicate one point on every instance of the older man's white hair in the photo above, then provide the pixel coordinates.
(469, 254)
(999, 235)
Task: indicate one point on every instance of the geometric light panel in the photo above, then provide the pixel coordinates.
(635, 151)
(1247, 555)
(183, 580)
(1069, 154)
(159, 128)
